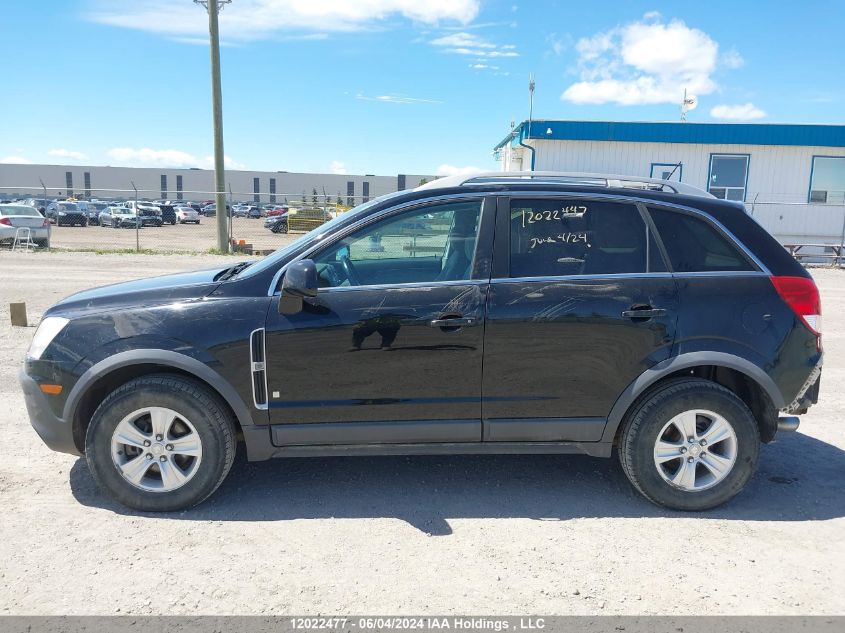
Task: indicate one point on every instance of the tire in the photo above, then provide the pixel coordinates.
(208, 419)
(651, 419)
(42, 243)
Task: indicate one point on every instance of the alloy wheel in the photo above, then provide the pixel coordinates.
(695, 450)
(156, 449)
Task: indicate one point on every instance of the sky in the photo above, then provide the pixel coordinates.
(393, 86)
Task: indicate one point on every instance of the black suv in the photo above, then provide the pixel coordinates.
(501, 313)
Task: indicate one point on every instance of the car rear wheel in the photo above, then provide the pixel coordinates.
(690, 444)
(160, 443)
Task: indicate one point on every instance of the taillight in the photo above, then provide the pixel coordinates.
(6, 221)
(802, 295)
(45, 223)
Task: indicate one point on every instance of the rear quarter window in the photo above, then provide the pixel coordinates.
(693, 245)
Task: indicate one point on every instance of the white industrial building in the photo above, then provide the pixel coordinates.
(193, 184)
(790, 177)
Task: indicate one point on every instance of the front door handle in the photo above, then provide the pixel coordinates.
(645, 312)
(453, 323)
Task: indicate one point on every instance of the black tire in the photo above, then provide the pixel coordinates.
(651, 413)
(42, 243)
(189, 398)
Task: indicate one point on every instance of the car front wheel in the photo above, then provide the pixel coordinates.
(690, 445)
(160, 443)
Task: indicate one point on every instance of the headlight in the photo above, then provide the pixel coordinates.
(47, 330)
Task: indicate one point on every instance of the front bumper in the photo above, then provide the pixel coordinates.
(56, 433)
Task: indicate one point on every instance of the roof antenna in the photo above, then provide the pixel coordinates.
(689, 103)
(531, 85)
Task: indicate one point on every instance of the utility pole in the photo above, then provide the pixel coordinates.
(214, 7)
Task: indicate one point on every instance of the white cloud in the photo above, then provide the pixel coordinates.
(15, 160)
(743, 112)
(646, 62)
(480, 66)
(337, 167)
(451, 170)
(731, 59)
(67, 153)
(464, 43)
(403, 99)
(146, 157)
(247, 20)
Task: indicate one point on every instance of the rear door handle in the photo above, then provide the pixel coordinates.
(453, 322)
(643, 313)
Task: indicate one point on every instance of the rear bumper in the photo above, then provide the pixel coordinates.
(8, 233)
(808, 395)
(54, 432)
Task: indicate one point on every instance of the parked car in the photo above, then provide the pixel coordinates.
(66, 214)
(277, 223)
(168, 213)
(92, 210)
(565, 314)
(119, 218)
(185, 215)
(15, 216)
(36, 203)
(149, 213)
(210, 210)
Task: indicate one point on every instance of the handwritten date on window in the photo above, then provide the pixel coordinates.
(529, 216)
(563, 238)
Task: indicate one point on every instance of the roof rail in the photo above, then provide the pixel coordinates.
(565, 178)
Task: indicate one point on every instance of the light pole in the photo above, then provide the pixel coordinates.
(214, 7)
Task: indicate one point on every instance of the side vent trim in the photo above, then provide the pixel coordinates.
(258, 365)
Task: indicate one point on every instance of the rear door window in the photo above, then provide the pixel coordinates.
(564, 237)
(693, 245)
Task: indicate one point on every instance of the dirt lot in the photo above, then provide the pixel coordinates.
(498, 535)
(180, 238)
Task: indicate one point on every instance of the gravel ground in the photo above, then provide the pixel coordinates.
(397, 535)
(187, 238)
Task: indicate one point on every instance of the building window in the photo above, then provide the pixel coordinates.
(827, 180)
(164, 186)
(667, 171)
(366, 192)
(179, 187)
(256, 188)
(69, 183)
(350, 193)
(273, 190)
(87, 177)
(400, 184)
(728, 176)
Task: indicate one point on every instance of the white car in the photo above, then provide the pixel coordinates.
(15, 216)
(185, 215)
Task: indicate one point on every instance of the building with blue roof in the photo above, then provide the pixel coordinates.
(790, 176)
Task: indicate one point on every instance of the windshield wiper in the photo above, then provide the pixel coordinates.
(232, 271)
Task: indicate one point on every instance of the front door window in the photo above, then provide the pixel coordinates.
(424, 245)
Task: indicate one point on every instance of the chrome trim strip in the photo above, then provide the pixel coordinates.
(258, 366)
(552, 279)
(468, 196)
(409, 285)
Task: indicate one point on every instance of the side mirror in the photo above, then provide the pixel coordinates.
(300, 282)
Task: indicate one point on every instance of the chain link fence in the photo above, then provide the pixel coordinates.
(129, 220)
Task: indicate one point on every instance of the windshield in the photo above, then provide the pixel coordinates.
(314, 235)
(8, 209)
(68, 206)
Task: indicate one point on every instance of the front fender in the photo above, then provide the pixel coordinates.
(157, 357)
